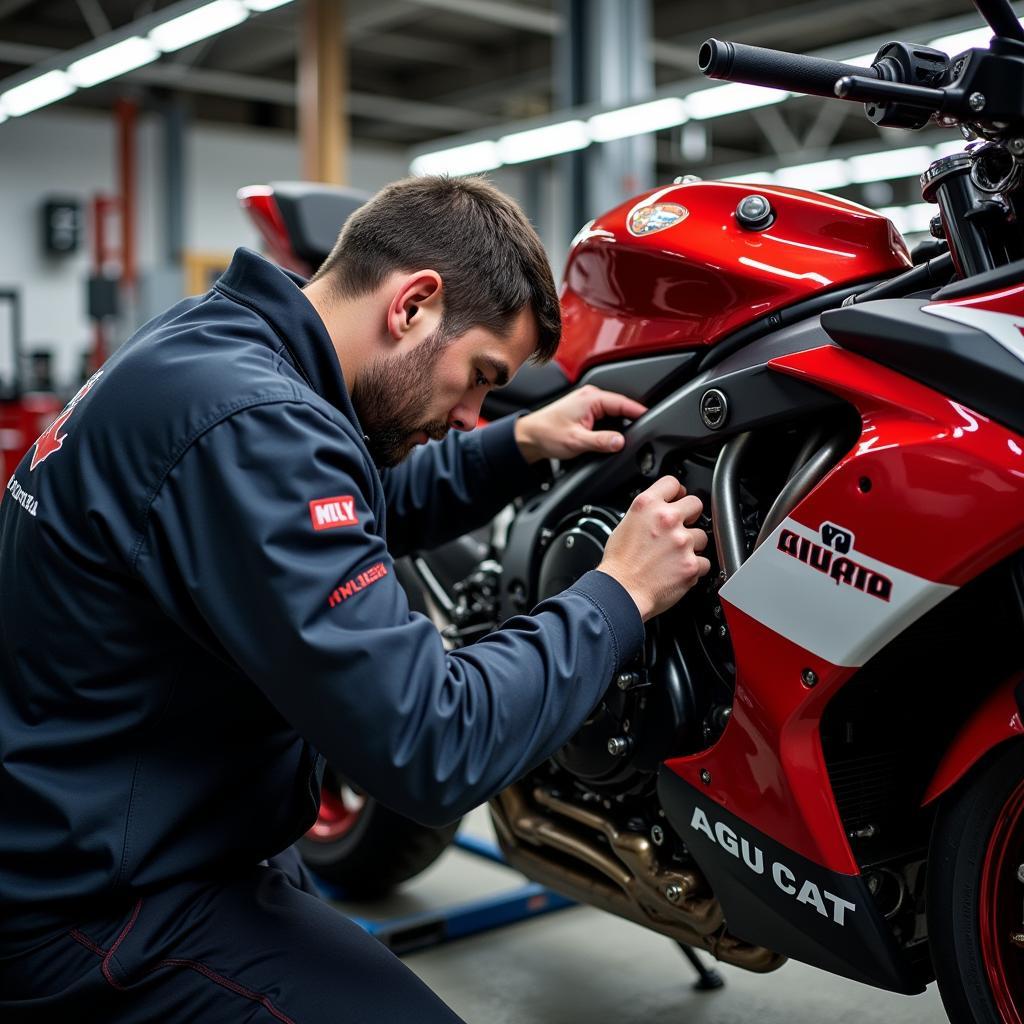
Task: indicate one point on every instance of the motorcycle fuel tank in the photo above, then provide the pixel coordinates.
(684, 266)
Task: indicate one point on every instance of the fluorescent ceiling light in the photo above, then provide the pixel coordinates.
(36, 93)
(910, 220)
(115, 60)
(754, 178)
(471, 159)
(948, 149)
(259, 6)
(198, 24)
(889, 164)
(637, 120)
(969, 40)
(955, 44)
(538, 143)
(819, 176)
(730, 99)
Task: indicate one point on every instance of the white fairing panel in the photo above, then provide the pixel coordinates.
(827, 596)
(1002, 327)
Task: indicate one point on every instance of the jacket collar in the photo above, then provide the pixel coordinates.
(275, 295)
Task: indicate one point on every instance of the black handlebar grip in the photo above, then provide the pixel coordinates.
(776, 69)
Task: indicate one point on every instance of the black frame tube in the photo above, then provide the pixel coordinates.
(1000, 18)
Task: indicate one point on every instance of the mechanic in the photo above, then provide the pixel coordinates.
(198, 605)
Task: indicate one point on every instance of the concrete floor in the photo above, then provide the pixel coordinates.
(582, 966)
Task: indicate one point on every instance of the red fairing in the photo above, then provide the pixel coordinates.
(997, 720)
(697, 281)
(1007, 300)
(922, 467)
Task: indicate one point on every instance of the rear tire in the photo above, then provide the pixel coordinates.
(364, 848)
(975, 899)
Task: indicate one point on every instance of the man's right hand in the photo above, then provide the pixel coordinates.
(654, 552)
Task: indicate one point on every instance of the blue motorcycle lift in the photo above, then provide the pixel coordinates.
(445, 924)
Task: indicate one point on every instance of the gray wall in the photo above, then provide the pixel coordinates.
(57, 152)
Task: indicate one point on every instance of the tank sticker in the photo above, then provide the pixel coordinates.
(646, 220)
(817, 590)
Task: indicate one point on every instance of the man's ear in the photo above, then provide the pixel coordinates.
(416, 305)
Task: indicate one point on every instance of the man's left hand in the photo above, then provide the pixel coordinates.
(565, 428)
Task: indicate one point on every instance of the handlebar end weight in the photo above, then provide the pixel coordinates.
(715, 58)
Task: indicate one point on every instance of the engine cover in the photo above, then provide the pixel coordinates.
(576, 547)
(646, 706)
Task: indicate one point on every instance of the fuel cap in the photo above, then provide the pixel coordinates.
(755, 213)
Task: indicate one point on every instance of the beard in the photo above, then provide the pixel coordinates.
(392, 398)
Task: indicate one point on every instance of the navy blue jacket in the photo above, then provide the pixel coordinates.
(198, 605)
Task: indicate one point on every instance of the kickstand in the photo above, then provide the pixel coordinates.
(708, 979)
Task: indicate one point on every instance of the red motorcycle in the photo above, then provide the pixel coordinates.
(821, 753)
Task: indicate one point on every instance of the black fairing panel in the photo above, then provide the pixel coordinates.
(988, 281)
(532, 386)
(640, 379)
(959, 361)
(776, 898)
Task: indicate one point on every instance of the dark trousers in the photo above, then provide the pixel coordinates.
(258, 948)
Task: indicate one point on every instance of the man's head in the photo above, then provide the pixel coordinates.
(457, 292)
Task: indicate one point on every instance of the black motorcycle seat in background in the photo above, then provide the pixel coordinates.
(313, 215)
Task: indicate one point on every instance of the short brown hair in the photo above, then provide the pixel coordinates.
(489, 257)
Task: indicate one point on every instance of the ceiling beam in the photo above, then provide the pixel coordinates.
(424, 51)
(786, 25)
(268, 90)
(95, 17)
(379, 14)
(24, 53)
(530, 19)
(365, 25)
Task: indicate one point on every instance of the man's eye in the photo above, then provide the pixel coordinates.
(481, 380)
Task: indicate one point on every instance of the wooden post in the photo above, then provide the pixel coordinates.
(323, 92)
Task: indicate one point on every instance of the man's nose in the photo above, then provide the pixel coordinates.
(464, 416)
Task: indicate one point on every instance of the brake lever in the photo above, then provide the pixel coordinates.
(874, 90)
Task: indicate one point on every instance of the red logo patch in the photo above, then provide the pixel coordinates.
(50, 440)
(327, 513)
(357, 583)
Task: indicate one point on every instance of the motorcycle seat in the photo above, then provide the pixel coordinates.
(960, 361)
(313, 215)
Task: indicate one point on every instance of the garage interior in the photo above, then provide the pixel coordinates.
(119, 197)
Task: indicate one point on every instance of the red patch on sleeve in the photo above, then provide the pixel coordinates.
(327, 513)
(357, 583)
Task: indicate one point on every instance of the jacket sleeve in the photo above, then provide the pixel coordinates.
(447, 488)
(316, 619)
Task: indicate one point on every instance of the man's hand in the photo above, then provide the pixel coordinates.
(565, 428)
(654, 552)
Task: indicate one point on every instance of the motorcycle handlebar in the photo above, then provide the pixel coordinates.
(776, 69)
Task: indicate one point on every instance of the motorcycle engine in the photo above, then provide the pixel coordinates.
(650, 709)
